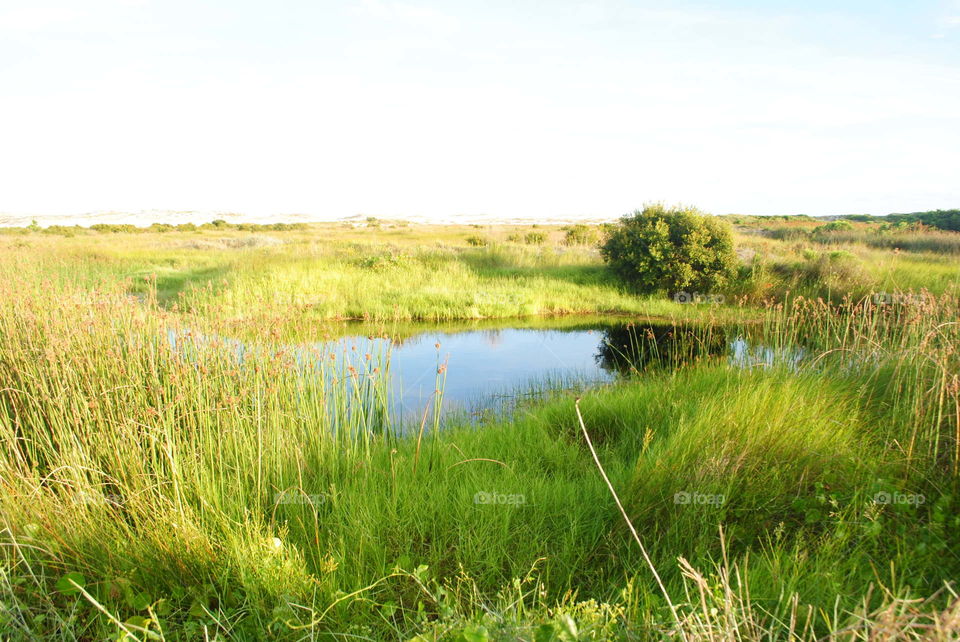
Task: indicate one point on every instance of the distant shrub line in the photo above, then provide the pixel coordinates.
(129, 228)
(941, 219)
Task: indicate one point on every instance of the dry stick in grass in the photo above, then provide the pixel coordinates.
(616, 498)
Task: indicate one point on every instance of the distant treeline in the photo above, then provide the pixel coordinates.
(219, 224)
(941, 219)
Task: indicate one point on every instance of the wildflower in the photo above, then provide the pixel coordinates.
(328, 564)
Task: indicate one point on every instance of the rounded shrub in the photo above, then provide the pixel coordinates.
(834, 226)
(671, 249)
(535, 238)
(580, 235)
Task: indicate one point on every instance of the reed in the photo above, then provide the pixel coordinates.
(162, 479)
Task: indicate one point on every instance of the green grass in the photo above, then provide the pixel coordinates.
(416, 273)
(339, 279)
(153, 485)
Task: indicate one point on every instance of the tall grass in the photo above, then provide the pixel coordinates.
(130, 437)
(158, 481)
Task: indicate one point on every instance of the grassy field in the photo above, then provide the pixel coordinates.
(391, 272)
(153, 485)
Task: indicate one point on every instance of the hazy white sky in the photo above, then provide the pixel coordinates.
(507, 108)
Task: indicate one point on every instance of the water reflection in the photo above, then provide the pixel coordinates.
(486, 366)
(747, 354)
(482, 366)
(633, 348)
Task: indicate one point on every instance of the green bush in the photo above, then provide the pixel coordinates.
(834, 226)
(477, 241)
(115, 229)
(580, 235)
(535, 238)
(671, 249)
(606, 229)
(63, 230)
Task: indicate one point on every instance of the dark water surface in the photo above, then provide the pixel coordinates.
(489, 365)
(486, 365)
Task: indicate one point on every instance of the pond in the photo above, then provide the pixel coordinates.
(489, 366)
(492, 365)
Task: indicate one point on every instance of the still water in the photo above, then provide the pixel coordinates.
(486, 367)
(483, 366)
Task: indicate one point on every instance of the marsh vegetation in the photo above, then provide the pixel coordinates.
(157, 482)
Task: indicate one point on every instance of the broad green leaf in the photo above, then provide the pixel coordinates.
(475, 633)
(71, 583)
(545, 633)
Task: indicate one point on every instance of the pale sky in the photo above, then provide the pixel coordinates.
(505, 108)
